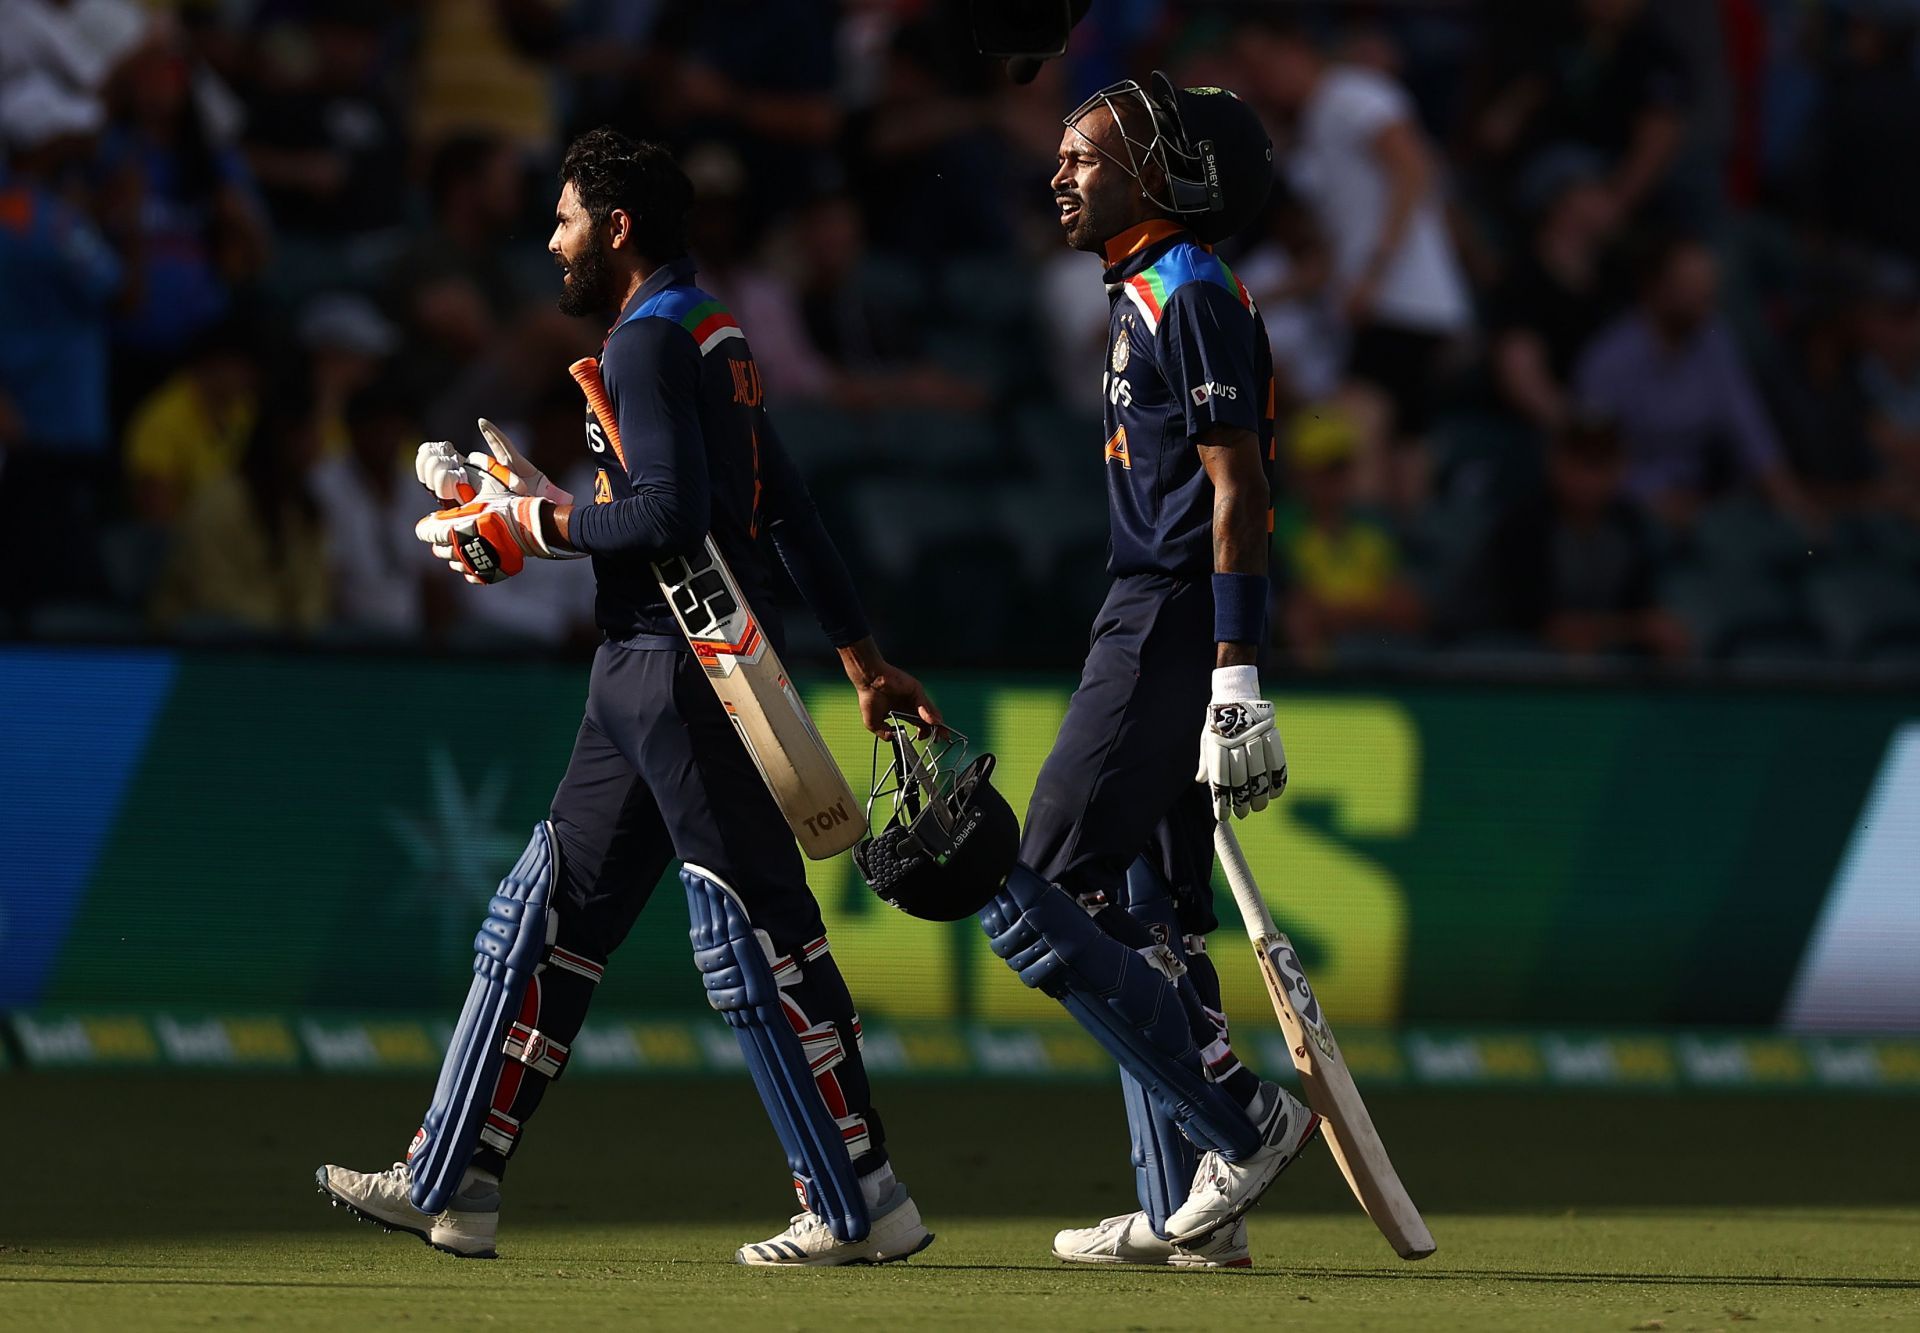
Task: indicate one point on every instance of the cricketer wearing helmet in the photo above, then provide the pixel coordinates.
(658, 772)
(1111, 902)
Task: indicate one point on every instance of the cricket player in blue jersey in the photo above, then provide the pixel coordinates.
(658, 772)
(1111, 903)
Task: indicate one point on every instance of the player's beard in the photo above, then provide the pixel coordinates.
(587, 288)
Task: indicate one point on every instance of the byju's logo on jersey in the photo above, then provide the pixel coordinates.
(596, 438)
(1203, 392)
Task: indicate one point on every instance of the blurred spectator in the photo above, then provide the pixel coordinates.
(758, 75)
(722, 238)
(475, 190)
(1288, 272)
(327, 140)
(934, 173)
(1608, 81)
(1361, 162)
(1339, 568)
(348, 342)
(1075, 313)
(1670, 373)
(1824, 411)
(611, 69)
(479, 71)
(187, 200)
(77, 43)
(1866, 130)
(247, 552)
(1555, 295)
(1578, 571)
(369, 502)
(58, 280)
(862, 349)
(196, 426)
(1889, 377)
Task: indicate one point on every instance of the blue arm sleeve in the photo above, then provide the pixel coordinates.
(652, 373)
(808, 552)
(1205, 346)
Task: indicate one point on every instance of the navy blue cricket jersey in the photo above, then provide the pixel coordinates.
(701, 457)
(1186, 350)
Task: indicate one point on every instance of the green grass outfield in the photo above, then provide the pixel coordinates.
(164, 1201)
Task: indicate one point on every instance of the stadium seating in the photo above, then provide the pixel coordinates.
(1868, 613)
(1738, 615)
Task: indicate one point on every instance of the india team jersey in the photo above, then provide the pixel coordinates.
(1186, 350)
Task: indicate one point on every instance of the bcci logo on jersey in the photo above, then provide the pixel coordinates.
(1122, 351)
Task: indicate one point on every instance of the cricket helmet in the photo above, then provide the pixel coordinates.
(949, 838)
(1211, 148)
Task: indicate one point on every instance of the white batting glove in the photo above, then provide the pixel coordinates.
(443, 471)
(487, 541)
(508, 467)
(1241, 758)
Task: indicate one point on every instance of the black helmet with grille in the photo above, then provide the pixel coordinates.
(949, 839)
(1210, 146)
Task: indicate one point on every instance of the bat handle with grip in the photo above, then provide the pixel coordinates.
(1246, 893)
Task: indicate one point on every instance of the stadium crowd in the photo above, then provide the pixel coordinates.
(1597, 321)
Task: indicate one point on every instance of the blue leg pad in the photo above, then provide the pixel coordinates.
(1123, 1001)
(511, 943)
(1163, 1160)
(744, 976)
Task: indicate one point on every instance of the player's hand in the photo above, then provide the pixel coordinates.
(884, 688)
(509, 468)
(1241, 758)
(449, 477)
(487, 540)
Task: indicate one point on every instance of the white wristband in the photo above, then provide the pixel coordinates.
(1236, 684)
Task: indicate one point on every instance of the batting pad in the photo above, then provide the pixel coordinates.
(744, 977)
(1122, 1000)
(508, 948)
(1163, 1160)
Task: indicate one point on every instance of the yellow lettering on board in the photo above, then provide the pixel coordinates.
(1359, 760)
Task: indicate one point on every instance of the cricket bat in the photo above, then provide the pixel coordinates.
(1330, 1088)
(747, 674)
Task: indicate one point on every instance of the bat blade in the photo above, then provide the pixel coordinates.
(747, 675)
(1329, 1085)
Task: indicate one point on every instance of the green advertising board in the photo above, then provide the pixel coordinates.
(268, 835)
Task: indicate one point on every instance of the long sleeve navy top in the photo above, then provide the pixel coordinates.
(701, 456)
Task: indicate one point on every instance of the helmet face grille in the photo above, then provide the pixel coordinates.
(950, 839)
(1213, 153)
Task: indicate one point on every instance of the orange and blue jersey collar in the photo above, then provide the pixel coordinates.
(1138, 246)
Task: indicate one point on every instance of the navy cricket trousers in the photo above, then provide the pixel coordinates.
(1119, 782)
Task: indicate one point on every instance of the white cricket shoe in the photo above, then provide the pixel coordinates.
(895, 1233)
(1224, 1191)
(1128, 1239)
(467, 1229)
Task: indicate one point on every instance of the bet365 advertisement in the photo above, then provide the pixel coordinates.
(284, 834)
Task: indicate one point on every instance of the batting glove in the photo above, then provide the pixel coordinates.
(444, 472)
(1241, 758)
(487, 540)
(508, 467)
